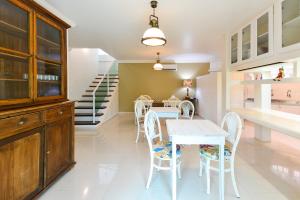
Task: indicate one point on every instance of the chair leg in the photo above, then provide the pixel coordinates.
(137, 134)
(207, 176)
(234, 181)
(179, 170)
(159, 164)
(201, 167)
(150, 174)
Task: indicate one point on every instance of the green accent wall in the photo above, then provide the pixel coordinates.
(140, 78)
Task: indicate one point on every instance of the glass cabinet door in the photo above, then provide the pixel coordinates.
(246, 42)
(262, 35)
(48, 41)
(49, 79)
(234, 49)
(14, 77)
(14, 27)
(49, 59)
(290, 22)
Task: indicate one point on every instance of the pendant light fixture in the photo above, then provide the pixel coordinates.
(158, 65)
(153, 36)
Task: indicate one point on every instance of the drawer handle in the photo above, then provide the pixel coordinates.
(21, 122)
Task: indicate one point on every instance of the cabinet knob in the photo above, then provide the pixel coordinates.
(48, 152)
(21, 122)
(60, 112)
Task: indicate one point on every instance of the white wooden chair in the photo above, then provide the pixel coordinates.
(147, 101)
(186, 109)
(173, 101)
(160, 151)
(233, 125)
(139, 110)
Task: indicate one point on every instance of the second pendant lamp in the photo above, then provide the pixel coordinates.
(158, 65)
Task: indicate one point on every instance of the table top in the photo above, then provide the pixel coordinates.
(144, 100)
(194, 128)
(165, 109)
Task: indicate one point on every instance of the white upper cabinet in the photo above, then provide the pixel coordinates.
(287, 22)
(264, 38)
(254, 40)
(246, 43)
(234, 48)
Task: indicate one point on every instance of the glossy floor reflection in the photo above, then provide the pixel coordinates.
(111, 166)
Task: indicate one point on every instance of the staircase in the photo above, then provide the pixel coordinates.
(103, 97)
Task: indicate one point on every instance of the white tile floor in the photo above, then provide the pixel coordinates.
(110, 166)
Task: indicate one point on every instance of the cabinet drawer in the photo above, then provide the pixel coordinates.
(57, 113)
(12, 125)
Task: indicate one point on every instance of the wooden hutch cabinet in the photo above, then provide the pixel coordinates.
(36, 119)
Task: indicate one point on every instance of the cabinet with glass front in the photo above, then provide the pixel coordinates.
(264, 34)
(289, 21)
(32, 55)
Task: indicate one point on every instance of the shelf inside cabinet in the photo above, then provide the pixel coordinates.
(271, 81)
(246, 44)
(263, 35)
(11, 27)
(12, 79)
(293, 22)
(47, 42)
(47, 81)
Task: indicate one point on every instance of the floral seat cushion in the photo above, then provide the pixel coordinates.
(163, 150)
(212, 152)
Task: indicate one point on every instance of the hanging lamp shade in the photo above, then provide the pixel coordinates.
(153, 36)
(158, 65)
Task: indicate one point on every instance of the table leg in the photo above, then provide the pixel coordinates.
(174, 170)
(221, 171)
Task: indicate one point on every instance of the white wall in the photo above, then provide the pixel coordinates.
(209, 95)
(83, 66)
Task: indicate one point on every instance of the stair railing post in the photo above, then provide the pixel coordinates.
(94, 107)
(107, 77)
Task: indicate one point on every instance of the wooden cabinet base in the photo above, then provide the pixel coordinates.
(34, 155)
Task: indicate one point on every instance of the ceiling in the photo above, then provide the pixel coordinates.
(194, 29)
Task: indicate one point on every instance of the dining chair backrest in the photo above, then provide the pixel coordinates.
(147, 97)
(173, 98)
(233, 125)
(139, 109)
(173, 101)
(142, 97)
(186, 109)
(152, 127)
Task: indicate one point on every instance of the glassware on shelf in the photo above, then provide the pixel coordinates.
(49, 84)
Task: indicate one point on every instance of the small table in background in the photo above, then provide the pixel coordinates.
(166, 112)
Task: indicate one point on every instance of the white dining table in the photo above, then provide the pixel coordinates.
(166, 112)
(196, 132)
